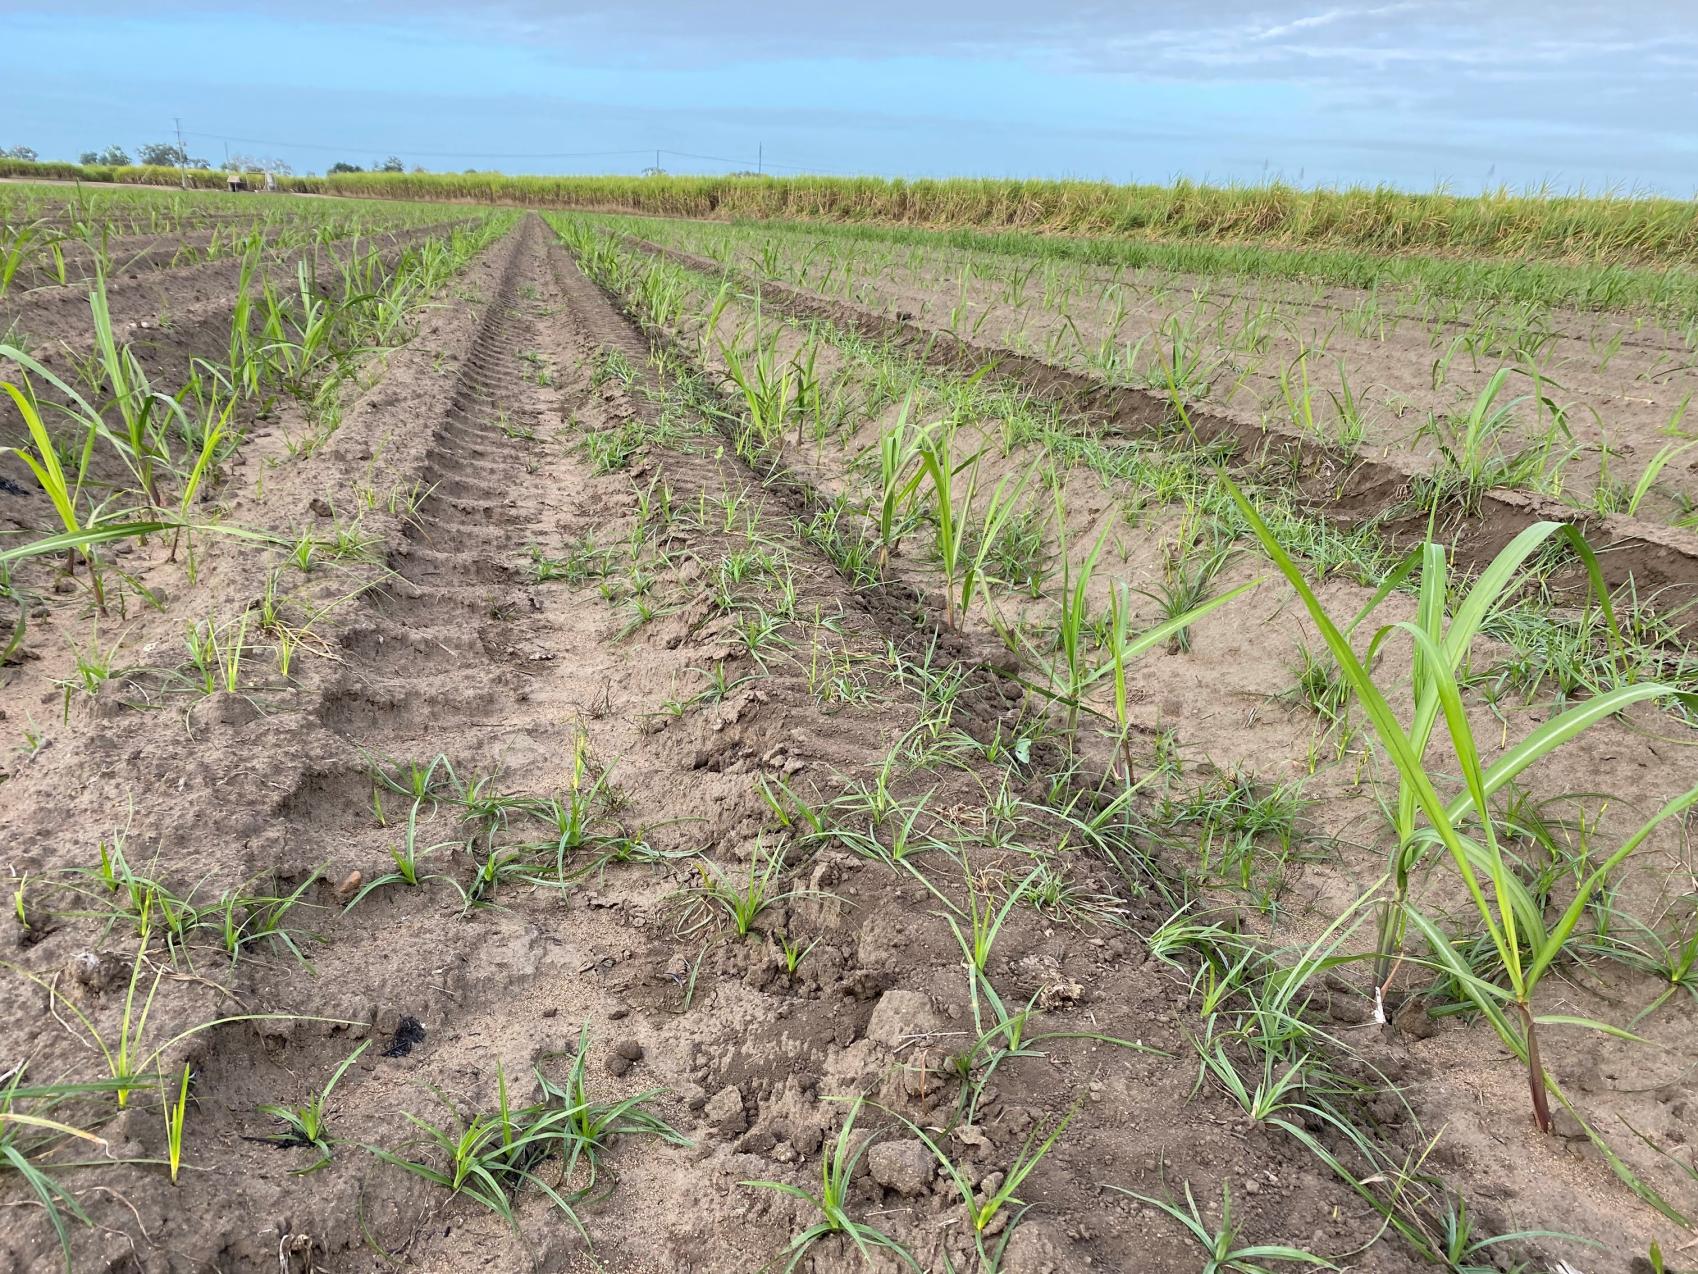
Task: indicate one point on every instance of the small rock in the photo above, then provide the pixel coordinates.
(321, 507)
(906, 1167)
(349, 886)
(630, 1050)
(95, 970)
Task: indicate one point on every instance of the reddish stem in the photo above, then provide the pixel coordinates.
(1536, 1075)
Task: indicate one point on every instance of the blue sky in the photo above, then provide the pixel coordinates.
(1409, 92)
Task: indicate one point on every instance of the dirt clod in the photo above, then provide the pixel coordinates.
(900, 1017)
(906, 1167)
(95, 970)
(724, 1112)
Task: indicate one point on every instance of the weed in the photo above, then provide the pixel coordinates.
(1223, 1253)
(837, 1171)
(309, 1124)
(983, 1207)
(743, 901)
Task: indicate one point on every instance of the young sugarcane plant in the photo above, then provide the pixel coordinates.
(899, 479)
(767, 391)
(1452, 637)
(963, 559)
(1071, 675)
(135, 398)
(1124, 647)
(83, 531)
(50, 474)
(1001, 509)
(27, 1130)
(837, 1170)
(1513, 920)
(937, 464)
(210, 443)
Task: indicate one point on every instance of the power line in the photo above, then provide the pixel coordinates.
(346, 149)
(761, 162)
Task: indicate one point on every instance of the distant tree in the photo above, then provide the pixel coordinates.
(391, 165)
(27, 153)
(112, 157)
(168, 155)
(654, 172)
(420, 168)
(340, 167)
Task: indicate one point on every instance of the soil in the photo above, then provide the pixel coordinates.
(1653, 563)
(1226, 705)
(443, 642)
(129, 255)
(158, 309)
(1619, 379)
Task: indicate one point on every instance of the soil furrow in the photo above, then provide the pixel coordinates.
(1411, 1068)
(597, 765)
(1660, 562)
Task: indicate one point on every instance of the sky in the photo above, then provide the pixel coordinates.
(1467, 94)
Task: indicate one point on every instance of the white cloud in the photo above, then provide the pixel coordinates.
(1328, 18)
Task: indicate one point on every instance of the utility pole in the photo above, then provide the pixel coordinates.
(182, 155)
(657, 162)
(760, 159)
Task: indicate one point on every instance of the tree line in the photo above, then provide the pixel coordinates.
(170, 155)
